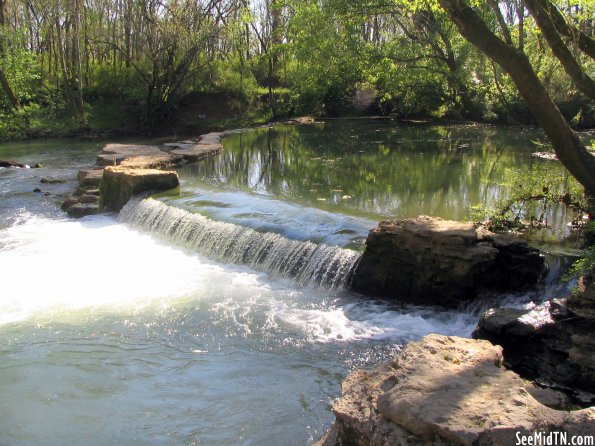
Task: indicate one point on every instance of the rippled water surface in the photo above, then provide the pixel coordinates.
(115, 333)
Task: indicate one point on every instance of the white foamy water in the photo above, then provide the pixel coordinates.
(367, 321)
(111, 336)
(50, 265)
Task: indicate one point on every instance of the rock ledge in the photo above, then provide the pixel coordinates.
(446, 391)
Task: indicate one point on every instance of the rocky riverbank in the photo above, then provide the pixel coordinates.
(554, 343)
(532, 378)
(539, 365)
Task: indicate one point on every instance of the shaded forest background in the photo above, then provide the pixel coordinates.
(91, 66)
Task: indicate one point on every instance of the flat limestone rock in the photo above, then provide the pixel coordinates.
(116, 154)
(90, 177)
(110, 159)
(211, 138)
(178, 145)
(130, 149)
(545, 155)
(158, 161)
(446, 391)
(119, 184)
(197, 152)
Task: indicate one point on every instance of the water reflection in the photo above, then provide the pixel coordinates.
(377, 170)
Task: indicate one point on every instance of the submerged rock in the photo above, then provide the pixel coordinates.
(431, 261)
(8, 163)
(446, 391)
(79, 210)
(119, 184)
(52, 181)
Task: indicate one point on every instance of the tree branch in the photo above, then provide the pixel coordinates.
(580, 79)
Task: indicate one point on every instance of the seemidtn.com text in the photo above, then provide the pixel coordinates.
(553, 439)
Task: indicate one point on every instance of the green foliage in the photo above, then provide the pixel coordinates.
(232, 79)
(584, 264)
(332, 57)
(329, 60)
(531, 196)
(35, 121)
(20, 66)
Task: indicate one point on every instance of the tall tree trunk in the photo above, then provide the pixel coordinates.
(579, 162)
(76, 67)
(2, 12)
(275, 11)
(64, 68)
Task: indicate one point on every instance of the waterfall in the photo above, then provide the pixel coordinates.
(306, 262)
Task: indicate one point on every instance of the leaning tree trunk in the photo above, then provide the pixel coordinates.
(575, 157)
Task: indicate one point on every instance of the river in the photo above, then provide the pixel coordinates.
(132, 329)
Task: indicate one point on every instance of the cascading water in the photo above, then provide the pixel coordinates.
(306, 262)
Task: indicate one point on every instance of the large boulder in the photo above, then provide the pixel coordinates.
(119, 184)
(447, 391)
(431, 261)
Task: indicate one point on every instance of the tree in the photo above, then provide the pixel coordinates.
(570, 151)
(434, 34)
(12, 97)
